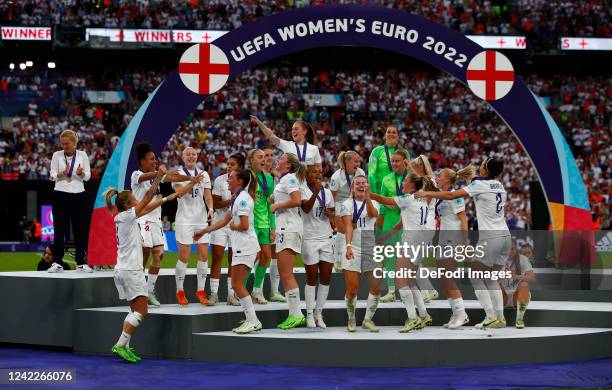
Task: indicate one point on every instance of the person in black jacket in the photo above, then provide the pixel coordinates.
(47, 260)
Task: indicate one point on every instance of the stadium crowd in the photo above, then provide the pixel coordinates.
(437, 116)
(539, 18)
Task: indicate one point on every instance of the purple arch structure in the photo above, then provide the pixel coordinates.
(164, 110)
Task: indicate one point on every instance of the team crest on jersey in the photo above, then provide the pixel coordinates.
(243, 203)
(293, 181)
(459, 201)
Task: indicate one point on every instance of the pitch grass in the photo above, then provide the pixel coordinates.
(27, 261)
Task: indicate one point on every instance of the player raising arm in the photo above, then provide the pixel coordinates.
(129, 276)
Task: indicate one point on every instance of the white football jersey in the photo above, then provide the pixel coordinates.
(221, 188)
(129, 241)
(490, 198)
(191, 209)
(415, 213)
(364, 223)
(288, 220)
(140, 190)
(316, 223)
(312, 152)
(244, 242)
(341, 186)
(525, 265)
(448, 210)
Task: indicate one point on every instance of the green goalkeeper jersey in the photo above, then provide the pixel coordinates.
(264, 218)
(379, 165)
(391, 186)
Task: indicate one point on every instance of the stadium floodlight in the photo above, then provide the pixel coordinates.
(51, 65)
(22, 66)
(11, 66)
(29, 64)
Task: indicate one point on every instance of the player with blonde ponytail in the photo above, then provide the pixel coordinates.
(129, 276)
(341, 186)
(453, 232)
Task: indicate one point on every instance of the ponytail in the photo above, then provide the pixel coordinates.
(108, 197)
(121, 201)
(424, 183)
(464, 174)
(297, 167)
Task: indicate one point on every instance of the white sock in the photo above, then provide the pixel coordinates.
(249, 309)
(408, 300)
(322, 293)
(371, 306)
(202, 271)
(457, 306)
(179, 274)
(497, 298)
(124, 339)
(483, 296)
(293, 298)
(230, 289)
(151, 282)
(309, 293)
(418, 301)
(214, 286)
(274, 277)
(351, 307)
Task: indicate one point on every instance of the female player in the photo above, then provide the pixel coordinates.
(516, 290)
(317, 244)
(129, 276)
(414, 215)
(379, 163)
(493, 236)
(359, 217)
(275, 296)
(289, 229)
(303, 144)
(150, 224)
(193, 213)
(392, 186)
(341, 187)
(265, 222)
(453, 232)
(220, 239)
(243, 239)
(421, 167)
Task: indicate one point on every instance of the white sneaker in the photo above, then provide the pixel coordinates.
(319, 321)
(258, 298)
(55, 268)
(457, 321)
(84, 268)
(486, 323)
(232, 300)
(213, 299)
(310, 321)
(352, 325)
(433, 295)
(277, 298)
(248, 327)
(153, 300)
(370, 325)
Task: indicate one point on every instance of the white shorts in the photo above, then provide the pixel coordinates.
(248, 260)
(221, 237)
(130, 284)
(358, 263)
(496, 250)
(152, 234)
(317, 250)
(184, 234)
(452, 238)
(417, 239)
(288, 240)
